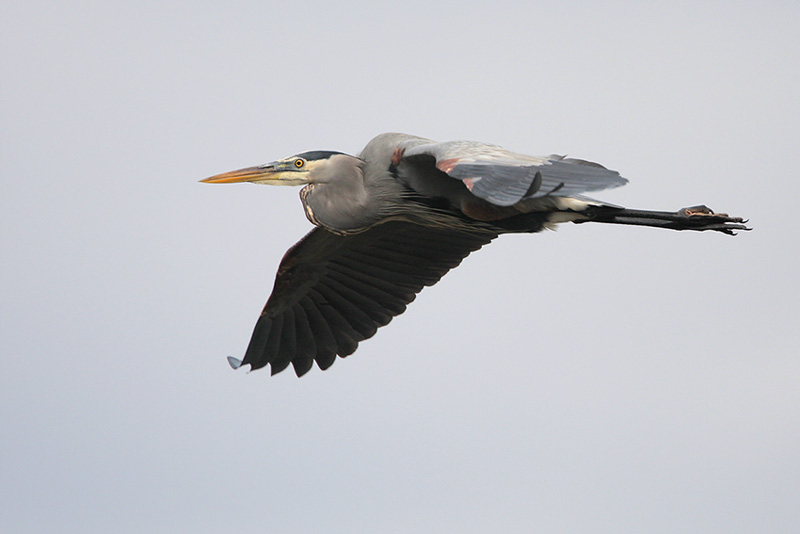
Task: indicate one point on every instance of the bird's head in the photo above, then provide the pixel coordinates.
(300, 169)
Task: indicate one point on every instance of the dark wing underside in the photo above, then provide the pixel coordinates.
(332, 291)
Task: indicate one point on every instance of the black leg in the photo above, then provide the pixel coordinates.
(699, 218)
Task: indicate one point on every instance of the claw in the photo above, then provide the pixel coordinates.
(720, 222)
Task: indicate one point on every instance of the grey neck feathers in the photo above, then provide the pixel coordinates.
(338, 198)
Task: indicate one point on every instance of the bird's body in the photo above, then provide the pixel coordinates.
(398, 217)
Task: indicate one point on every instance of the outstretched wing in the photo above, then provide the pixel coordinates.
(504, 178)
(332, 291)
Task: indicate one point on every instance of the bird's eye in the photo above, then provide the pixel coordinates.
(299, 163)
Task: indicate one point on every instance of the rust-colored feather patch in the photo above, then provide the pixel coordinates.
(447, 165)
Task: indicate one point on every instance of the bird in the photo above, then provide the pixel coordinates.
(398, 217)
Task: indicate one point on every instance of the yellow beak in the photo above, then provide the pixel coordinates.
(262, 173)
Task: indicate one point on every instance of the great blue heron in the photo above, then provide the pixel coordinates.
(398, 217)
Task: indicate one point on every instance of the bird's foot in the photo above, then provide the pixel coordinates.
(703, 218)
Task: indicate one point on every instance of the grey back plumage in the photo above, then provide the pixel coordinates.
(505, 178)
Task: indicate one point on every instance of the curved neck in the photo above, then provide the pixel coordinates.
(337, 197)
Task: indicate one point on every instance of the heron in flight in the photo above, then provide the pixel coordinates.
(400, 215)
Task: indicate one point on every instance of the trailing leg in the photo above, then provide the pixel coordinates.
(699, 218)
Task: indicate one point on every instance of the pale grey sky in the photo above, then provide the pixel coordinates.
(594, 379)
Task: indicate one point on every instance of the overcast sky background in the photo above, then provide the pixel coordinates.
(593, 379)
